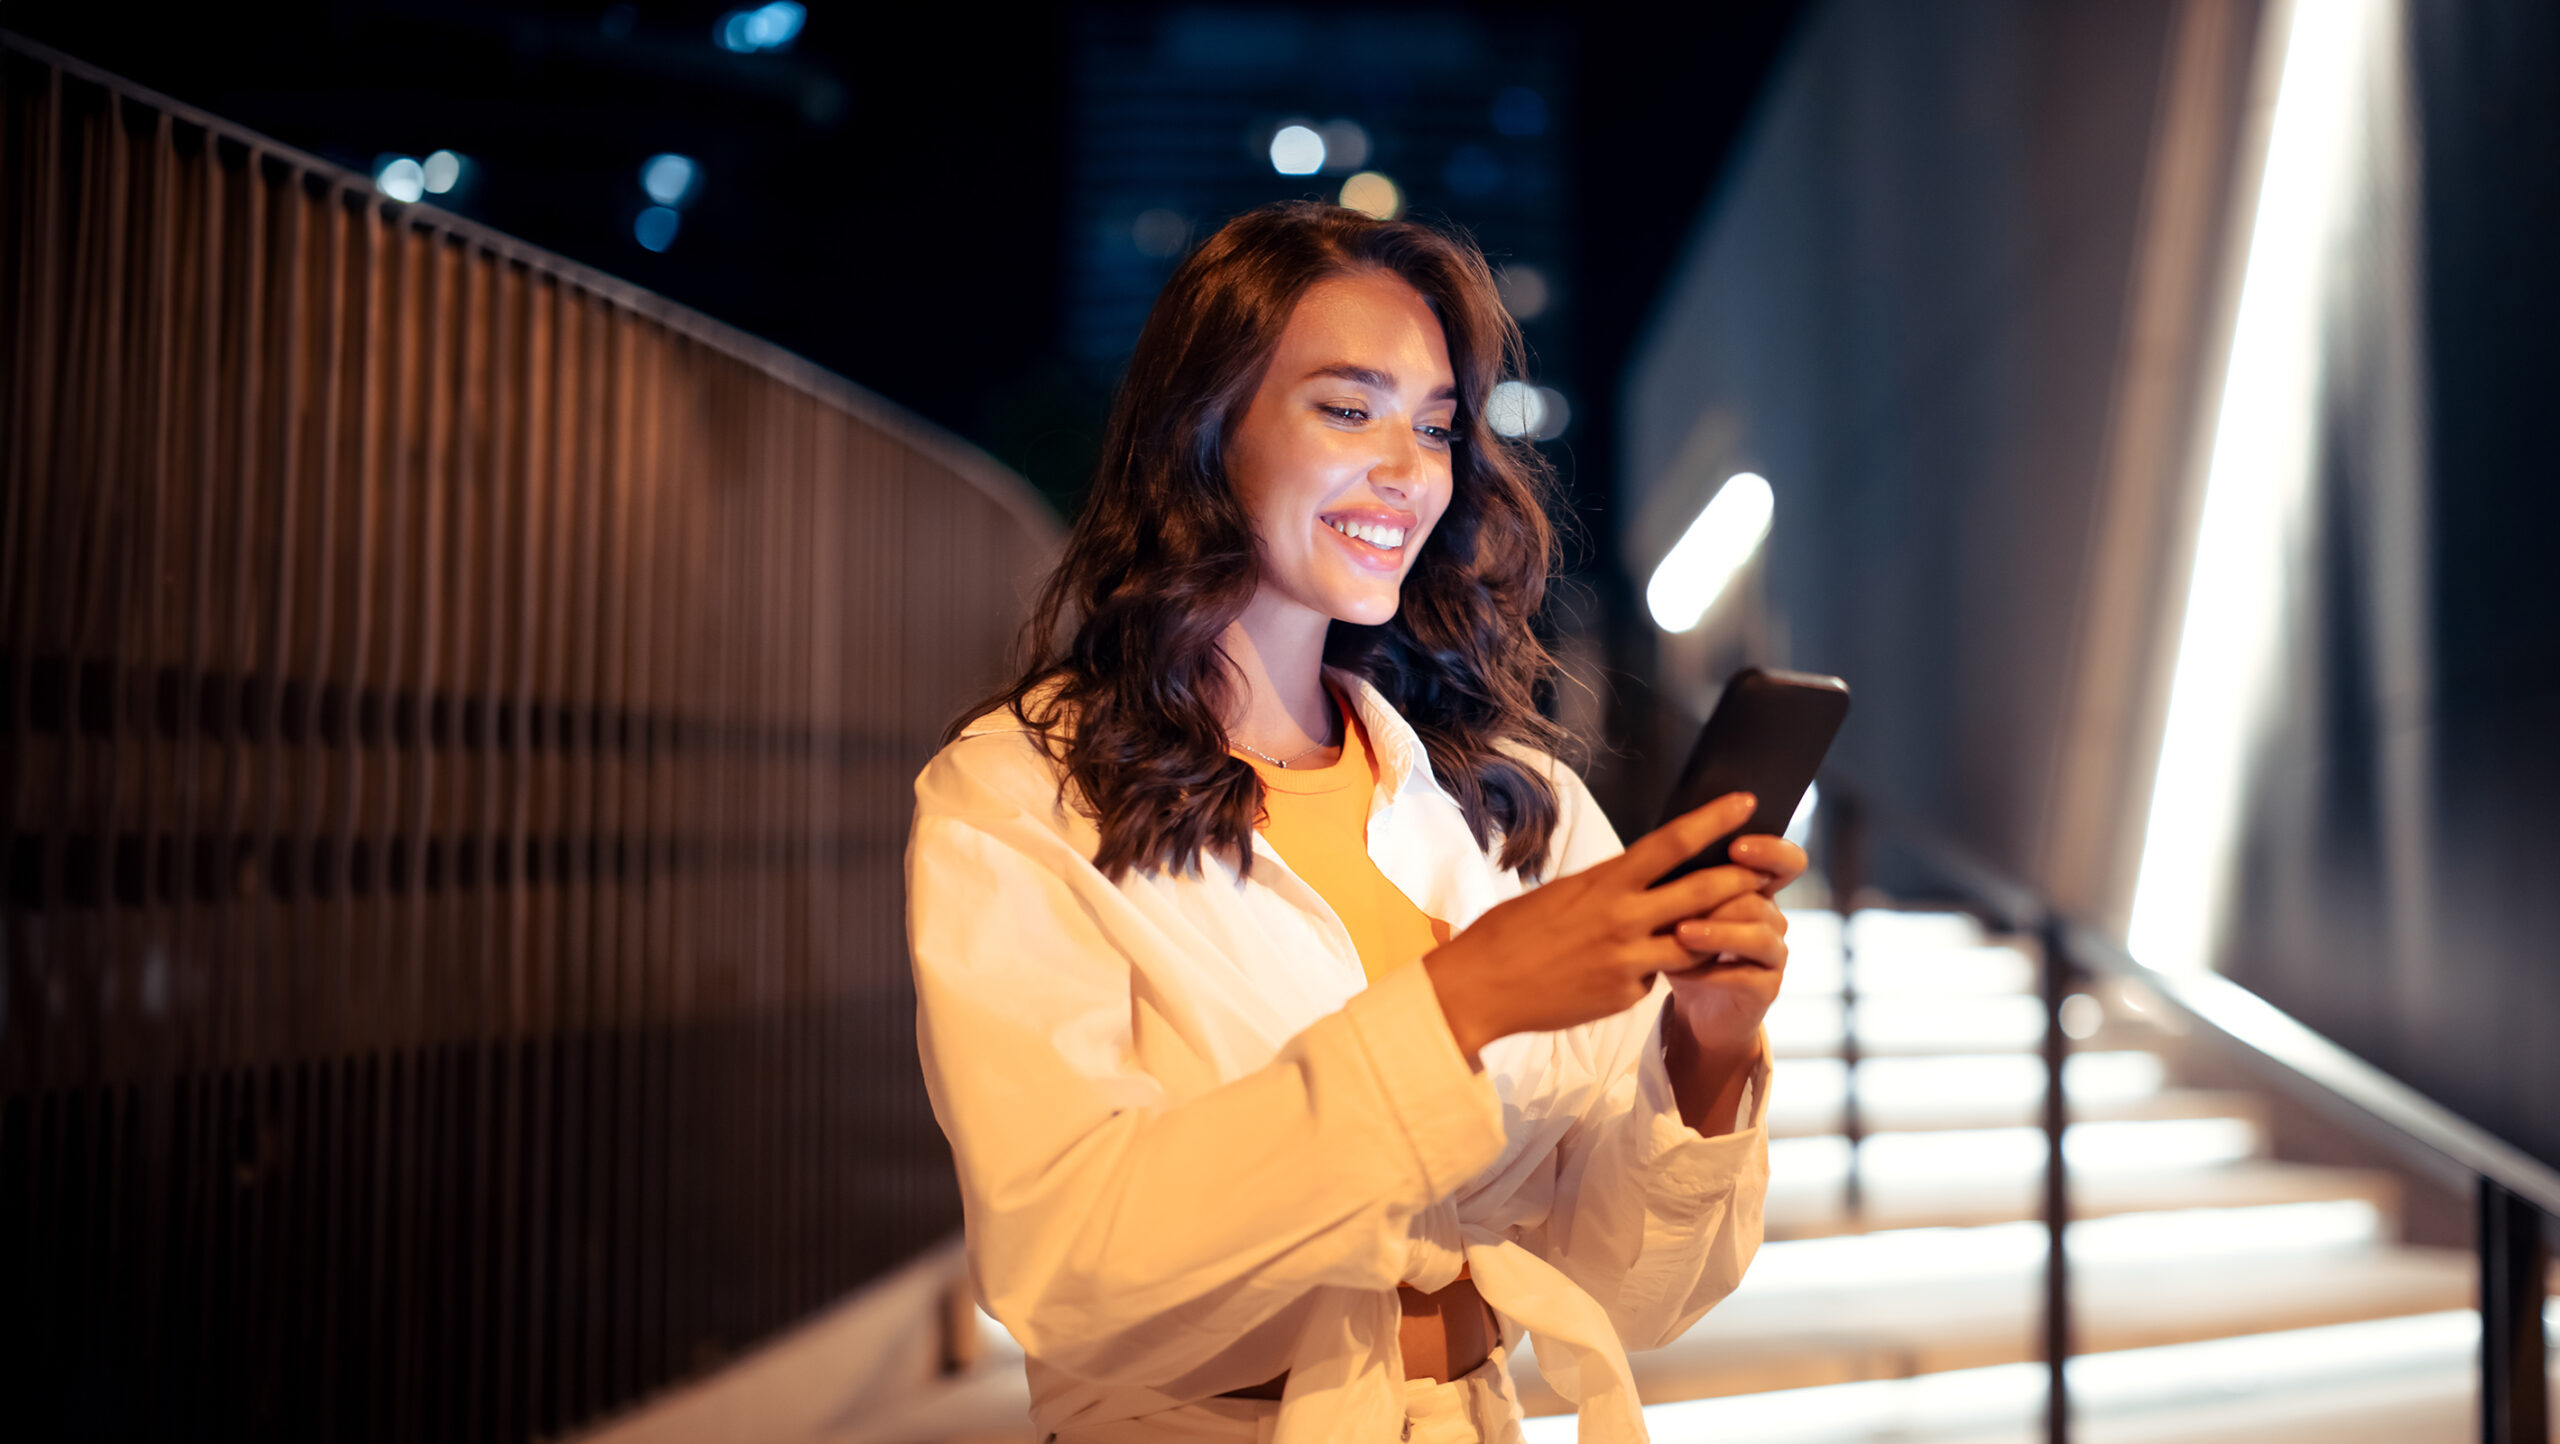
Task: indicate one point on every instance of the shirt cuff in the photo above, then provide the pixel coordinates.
(1450, 1112)
(1685, 1162)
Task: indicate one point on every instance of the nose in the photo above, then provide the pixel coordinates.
(1394, 474)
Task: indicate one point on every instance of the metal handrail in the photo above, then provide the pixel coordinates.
(2518, 1196)
(2430, 1135)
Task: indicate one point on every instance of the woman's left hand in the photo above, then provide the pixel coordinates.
(1742, 952)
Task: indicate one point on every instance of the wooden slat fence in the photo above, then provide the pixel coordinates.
(456, 718)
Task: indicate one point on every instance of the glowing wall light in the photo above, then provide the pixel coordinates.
(1716, 545)
(2255, 484)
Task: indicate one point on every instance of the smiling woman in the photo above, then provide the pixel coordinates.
(1302, 363)
(1302, 1033)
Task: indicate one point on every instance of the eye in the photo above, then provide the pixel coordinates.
(1351, 414)
(1441, 434)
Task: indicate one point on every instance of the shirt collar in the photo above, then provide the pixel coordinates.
(1403, 762)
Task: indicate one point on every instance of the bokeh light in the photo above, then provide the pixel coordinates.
(1524, 291)
(1554, 415)
(1518, 409)
(399, 177)
(1346, 145)
(655, 229)
(767, 27)
(1512, 409)
(669, 179)
(441, 172)
(1297, 150)
(1373, 194)
(1160, 233)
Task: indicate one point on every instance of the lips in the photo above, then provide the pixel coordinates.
(1373, 535)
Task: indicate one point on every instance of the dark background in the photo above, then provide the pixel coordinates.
(904, 194)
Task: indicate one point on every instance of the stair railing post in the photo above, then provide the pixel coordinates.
(2515, 1405)
(1848, 849)
(2057, 1192)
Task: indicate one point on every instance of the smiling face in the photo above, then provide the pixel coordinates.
(1343, 457)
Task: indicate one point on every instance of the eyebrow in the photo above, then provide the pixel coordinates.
(1375, 379)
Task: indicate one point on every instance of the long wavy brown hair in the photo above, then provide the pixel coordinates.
(1162, 558)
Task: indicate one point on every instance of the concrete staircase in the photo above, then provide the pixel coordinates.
(2222, 1294)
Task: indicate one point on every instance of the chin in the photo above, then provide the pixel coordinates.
(1367, 611)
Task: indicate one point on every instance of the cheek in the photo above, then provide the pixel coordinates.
(1443, 498)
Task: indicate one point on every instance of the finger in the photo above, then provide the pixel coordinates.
(1782, 860)
(1680, 839)
(1660, 954)
(1751, 908)
(1753, 942)
(1693, 896)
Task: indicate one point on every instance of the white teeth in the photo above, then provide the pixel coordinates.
(1385, 538)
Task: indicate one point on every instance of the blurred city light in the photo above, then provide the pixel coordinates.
(1512, 409)
(441, 172)
(1716, 545)
(669, 179)
(1517, 409)
(1160, 233)
(399, 177)
(1518, 110)
(768, 27)
(1524, 291)
(655, 229)
(1554, 414)
(2264, 445)
(1472, 171)
(1373, 194)
(1346, 145)
(1297, 150)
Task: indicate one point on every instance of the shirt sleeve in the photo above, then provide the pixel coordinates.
(1651, 1218)
(1123, 1236)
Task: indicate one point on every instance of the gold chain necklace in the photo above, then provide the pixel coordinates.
(1274, 761)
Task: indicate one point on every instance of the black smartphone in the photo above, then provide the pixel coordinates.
(1766, 737)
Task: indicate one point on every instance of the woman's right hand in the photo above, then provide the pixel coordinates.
(1585, 946)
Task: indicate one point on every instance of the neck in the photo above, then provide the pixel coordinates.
(1277, 649)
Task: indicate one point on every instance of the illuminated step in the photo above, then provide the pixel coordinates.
(1810, 1024)
(1940, 953)
(1982, 1176)
(2400, 1380)
(1922, 1300)
(1969, 1153)
(1976, 1090)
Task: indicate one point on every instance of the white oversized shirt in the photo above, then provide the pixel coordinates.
(1197, 1148)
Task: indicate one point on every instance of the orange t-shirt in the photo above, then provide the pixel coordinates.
(1318, 821)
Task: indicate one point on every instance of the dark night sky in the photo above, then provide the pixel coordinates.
(887, 197)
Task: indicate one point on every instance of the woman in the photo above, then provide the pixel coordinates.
(1282, 1094)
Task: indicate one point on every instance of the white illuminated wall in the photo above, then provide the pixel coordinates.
(2250, 533)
